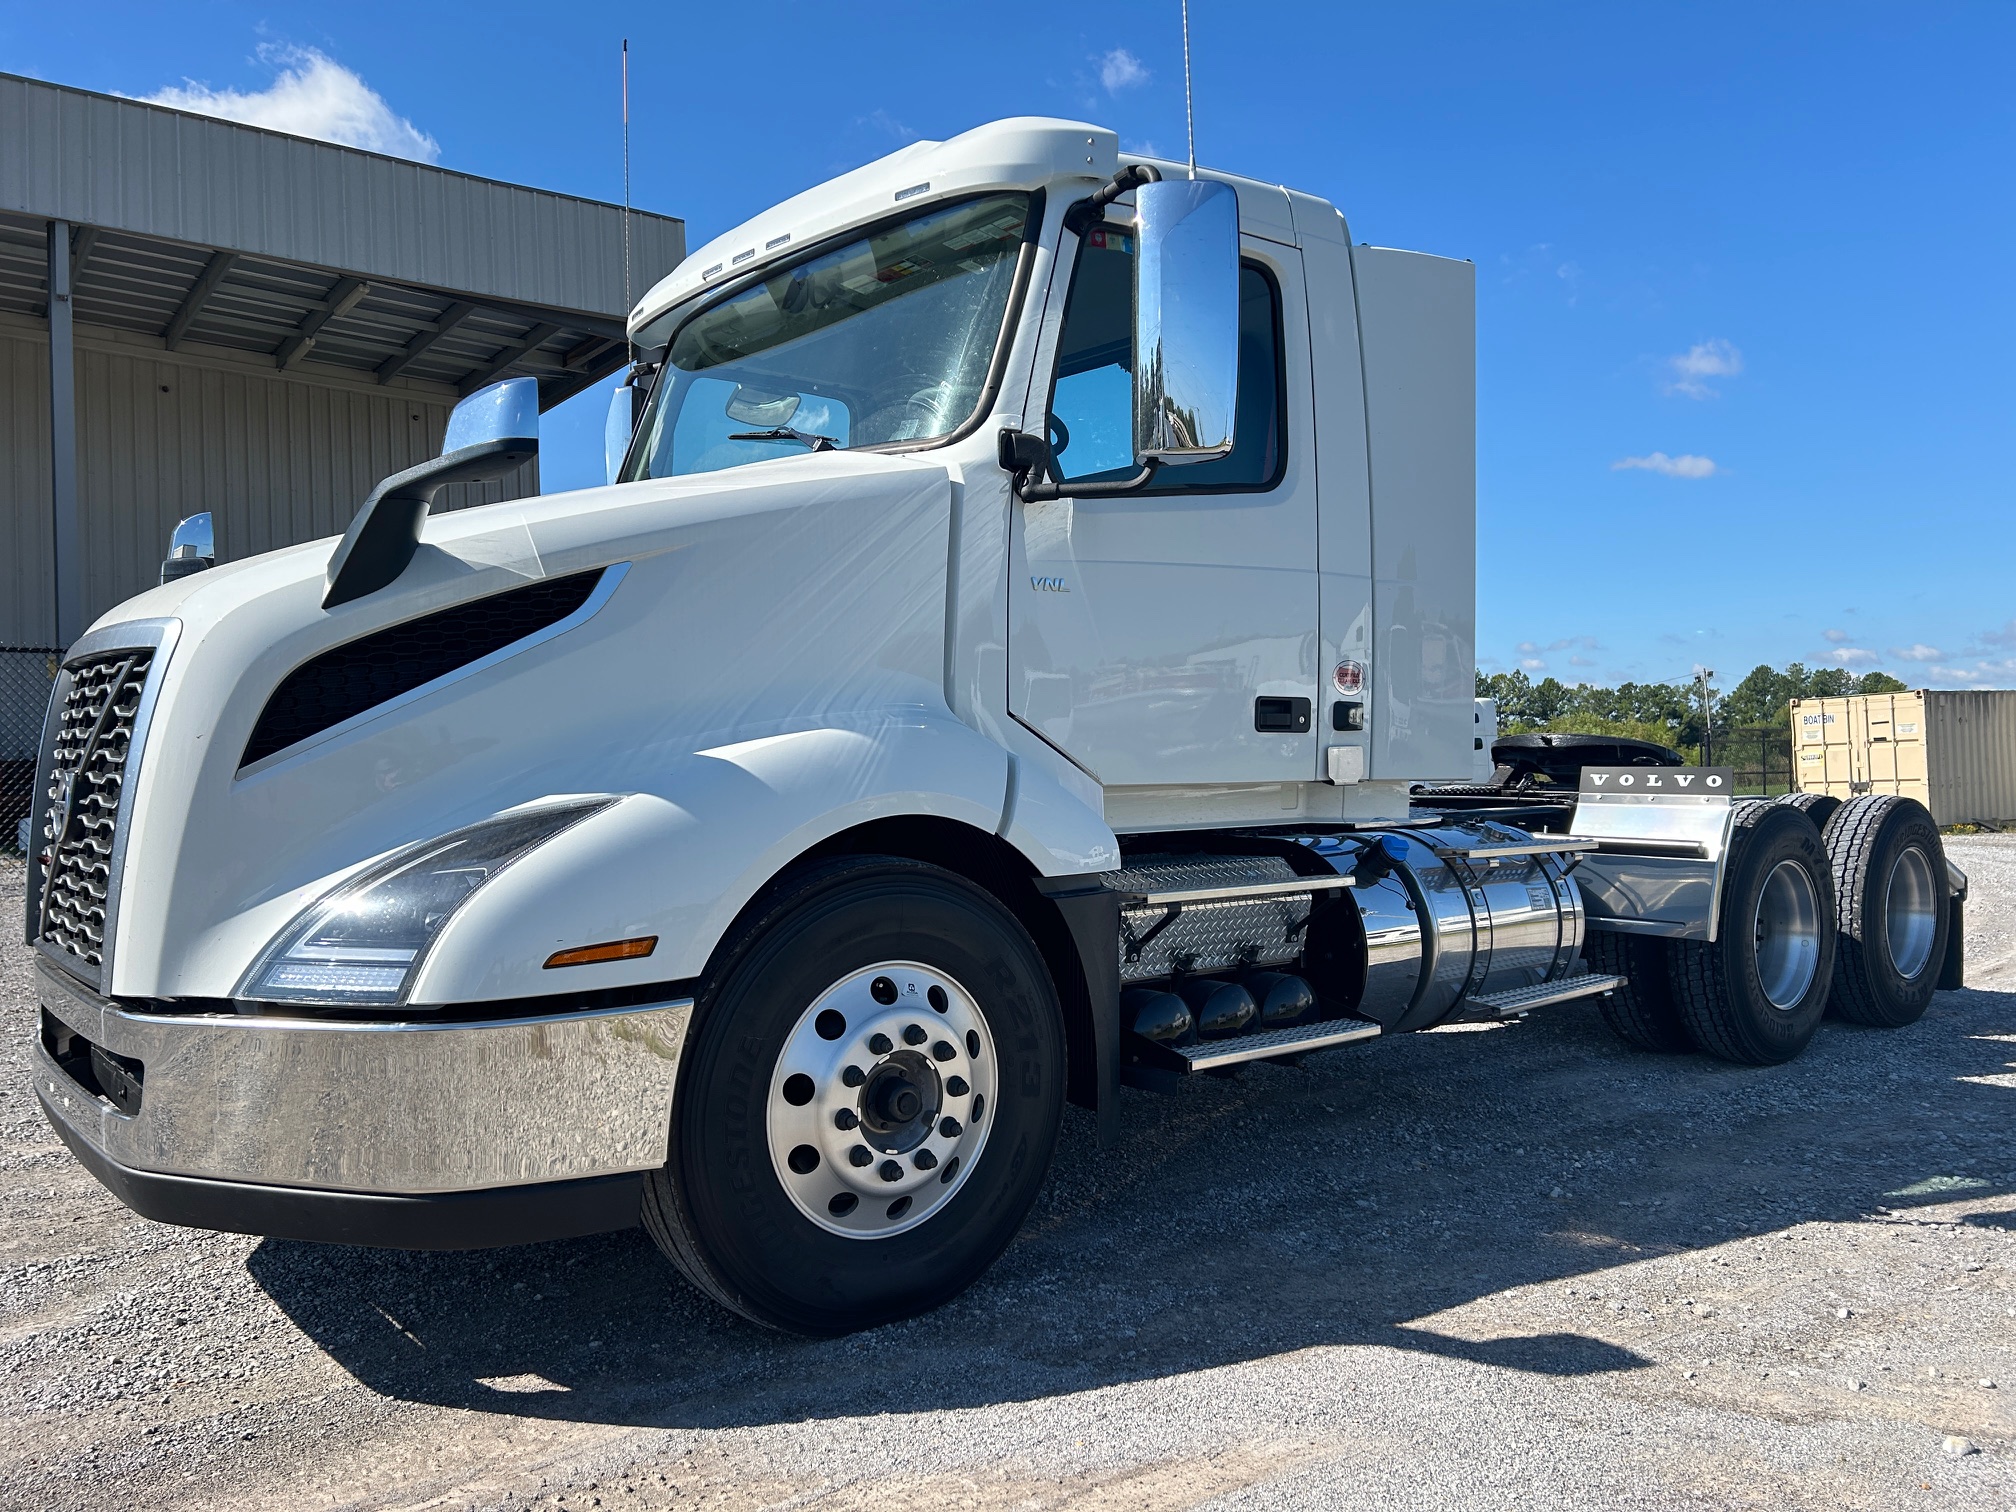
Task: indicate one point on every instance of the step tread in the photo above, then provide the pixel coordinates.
(1518, 999)
(1204, 1055)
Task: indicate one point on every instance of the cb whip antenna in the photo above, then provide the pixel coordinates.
(626, 183)
(1189, 114)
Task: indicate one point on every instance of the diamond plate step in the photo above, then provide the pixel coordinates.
(1208, 1055)
(1520, 999)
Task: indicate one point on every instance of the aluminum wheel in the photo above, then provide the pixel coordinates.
(878, 1107)
(1788, 934)
(1912, 913)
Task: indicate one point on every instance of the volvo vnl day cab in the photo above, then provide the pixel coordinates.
(1033, 585)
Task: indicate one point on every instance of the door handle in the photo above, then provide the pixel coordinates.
(1281, 716)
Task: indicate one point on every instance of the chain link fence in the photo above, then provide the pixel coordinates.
(27, 673)
(1761, 756)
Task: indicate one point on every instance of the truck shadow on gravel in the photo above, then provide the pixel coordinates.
(1346, 1201)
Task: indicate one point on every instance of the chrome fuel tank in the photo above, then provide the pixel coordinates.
(1454, 911)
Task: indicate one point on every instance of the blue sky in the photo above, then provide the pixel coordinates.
(1745, 324)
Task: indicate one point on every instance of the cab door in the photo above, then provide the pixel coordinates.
(1169, 636)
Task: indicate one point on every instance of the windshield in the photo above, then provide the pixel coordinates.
(886, 340)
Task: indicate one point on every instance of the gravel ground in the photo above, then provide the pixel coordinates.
(1504, 1266)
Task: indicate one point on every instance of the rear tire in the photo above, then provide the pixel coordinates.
(1818, 807)
(798, 1235)
(1890, 881)
(1757, 993)
(1643, 1012)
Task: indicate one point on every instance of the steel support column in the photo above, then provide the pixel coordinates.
(66, 537)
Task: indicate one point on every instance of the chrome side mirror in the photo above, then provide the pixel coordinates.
(191, 548)
(1186, 321)
(507, 411)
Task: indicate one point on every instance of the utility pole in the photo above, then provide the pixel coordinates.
(1701, 676)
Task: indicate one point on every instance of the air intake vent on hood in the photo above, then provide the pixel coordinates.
(350, 679)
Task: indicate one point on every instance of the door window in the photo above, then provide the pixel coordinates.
(1091, 402)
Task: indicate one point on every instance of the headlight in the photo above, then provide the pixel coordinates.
(362, 945)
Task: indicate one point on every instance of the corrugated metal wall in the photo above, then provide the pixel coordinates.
(276, 461)
(102, 161)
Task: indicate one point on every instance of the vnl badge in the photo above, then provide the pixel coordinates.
(1349, 677)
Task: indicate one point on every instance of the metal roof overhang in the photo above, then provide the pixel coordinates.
(299, 316)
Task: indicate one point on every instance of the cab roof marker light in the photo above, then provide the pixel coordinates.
(709, 273)
(743, 256)
(776, 241)
(611, 950)
(362, 943)
(912, 192)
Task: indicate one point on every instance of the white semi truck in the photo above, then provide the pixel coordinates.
(1026, 648)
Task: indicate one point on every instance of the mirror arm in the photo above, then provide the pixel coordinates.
(1087, 213)
(382, 540)
(1027, 461)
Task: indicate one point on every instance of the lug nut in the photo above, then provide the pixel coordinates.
(950, 1128)
(880, 1044)
(889, 1171)
(860, 1155)
(942, 1051)
(924, 1160)
(853, 1076)
(913, 1034)
(955, 1086)
(846, 1118)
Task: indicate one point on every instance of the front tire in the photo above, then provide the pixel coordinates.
(1890, 879)
(1756, 994)
(876, 1007)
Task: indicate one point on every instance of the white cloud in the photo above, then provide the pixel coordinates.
(1854, 656)
(1120, 69)
(1581, 661)
(1672, 467)
(885, 124)
(1918, 653)
(1703, 360)
(1532, 664)
(1838, 637)
(312, 95)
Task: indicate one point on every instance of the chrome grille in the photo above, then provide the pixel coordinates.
(98, 700)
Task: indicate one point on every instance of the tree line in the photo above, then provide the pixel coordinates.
(1670, 713)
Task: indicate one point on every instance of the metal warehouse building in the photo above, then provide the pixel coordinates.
(198, 315)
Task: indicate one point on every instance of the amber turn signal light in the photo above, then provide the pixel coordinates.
(610, 950)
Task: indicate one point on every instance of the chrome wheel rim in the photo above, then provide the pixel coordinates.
(1911, 912)
(1787, 931)
(881, 1100)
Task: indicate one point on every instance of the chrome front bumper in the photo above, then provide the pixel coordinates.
(410, 1108)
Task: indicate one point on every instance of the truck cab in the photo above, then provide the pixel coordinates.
(1035, 587)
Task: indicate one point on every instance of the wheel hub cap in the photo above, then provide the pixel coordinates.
(1787, 934)
(1911, 913)
(881, 1101)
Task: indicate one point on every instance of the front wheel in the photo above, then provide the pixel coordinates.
(871, 1094)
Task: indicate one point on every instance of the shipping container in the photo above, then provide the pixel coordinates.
(1955, 752)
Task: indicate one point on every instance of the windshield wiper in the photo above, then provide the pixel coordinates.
(786, 433)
